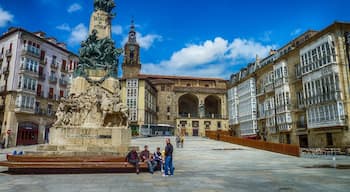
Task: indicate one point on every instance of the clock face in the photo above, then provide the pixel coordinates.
(132, 48)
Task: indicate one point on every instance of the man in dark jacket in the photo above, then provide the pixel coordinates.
(146, 156)
(168, 158)
(133, 158)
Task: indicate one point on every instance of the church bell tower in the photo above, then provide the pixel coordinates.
(131, 65)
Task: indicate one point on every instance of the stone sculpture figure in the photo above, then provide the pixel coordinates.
(104, 5)
(97, 103)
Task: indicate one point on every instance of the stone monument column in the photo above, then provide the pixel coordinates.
(93, 120)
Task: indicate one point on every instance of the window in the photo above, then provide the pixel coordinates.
(51, 93)
(168, 109)
(329, 137)
(64, 65)
(168, 117)
(42, 55)
(61, 93)
(162, 87)
(219, 124)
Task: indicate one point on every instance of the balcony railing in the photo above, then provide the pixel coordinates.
(25, 68)
(6, 70)
(52, 79)
(24, 109)
(42, 77)
(63, 82)
(54, 65)
(8, 53)
(43, 61)
(31, 51)
(301, 124)
(196, 116)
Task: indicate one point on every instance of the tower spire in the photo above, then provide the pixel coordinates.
(132, 32)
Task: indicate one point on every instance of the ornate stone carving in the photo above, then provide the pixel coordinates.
(98, 54)
(96, 107)
(104, 5)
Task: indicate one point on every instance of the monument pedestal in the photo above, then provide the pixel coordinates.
(87, 141)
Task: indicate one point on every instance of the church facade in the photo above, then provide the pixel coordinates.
(191, 105)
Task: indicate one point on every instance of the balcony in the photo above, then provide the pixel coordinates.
(31, 51)
(63, 83)
(43, 61)
(25, 69)
(52, 80)
(42, 77)
(196, 116)
(27, 89)
(5, 70)
(24, 109)
(54, 65)
(40, 94)
(8, 53)
(64, 69)
(2, 88)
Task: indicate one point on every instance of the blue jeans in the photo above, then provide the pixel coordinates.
(151, 165)
(168, 165)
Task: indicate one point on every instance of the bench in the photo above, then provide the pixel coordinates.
(25, 164)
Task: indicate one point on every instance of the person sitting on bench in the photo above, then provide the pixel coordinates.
(133, 158)
(145, 156)
(158, 158)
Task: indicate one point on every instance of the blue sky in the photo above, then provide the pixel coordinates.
(183, 37)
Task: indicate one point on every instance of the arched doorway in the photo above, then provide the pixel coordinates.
(27, 133)
(188, 106)
(212, 106)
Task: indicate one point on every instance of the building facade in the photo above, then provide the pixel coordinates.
(303, 90)
(36, 72)
(190, 105)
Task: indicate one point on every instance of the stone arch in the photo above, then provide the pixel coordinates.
(188, 105)
(212, 106)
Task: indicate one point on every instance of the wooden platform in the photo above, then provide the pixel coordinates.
(28, 164)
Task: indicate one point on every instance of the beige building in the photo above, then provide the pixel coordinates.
(190, 105)
(303, 90)
(35, 74)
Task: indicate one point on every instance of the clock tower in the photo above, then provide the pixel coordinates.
(131, 65)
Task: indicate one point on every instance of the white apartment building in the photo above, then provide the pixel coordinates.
(232, 99)
(35, 74)
(320, 77)
(247, 110)
(282, 97)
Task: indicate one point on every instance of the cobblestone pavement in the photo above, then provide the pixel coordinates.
(202, 165)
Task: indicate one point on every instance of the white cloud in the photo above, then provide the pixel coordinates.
(296, 32)
(64, 27)
(5, 17)
(213, 58)
(248, 49)
(117, 29)
(78, 34)
(74, 7)
(146, 41)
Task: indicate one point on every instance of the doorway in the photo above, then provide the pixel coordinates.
(27, 134)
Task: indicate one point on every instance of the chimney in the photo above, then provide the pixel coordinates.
(40, 34)
(62, 45)
(52, 40)
(272, 51)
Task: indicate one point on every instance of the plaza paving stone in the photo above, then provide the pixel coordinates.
(201, 166)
